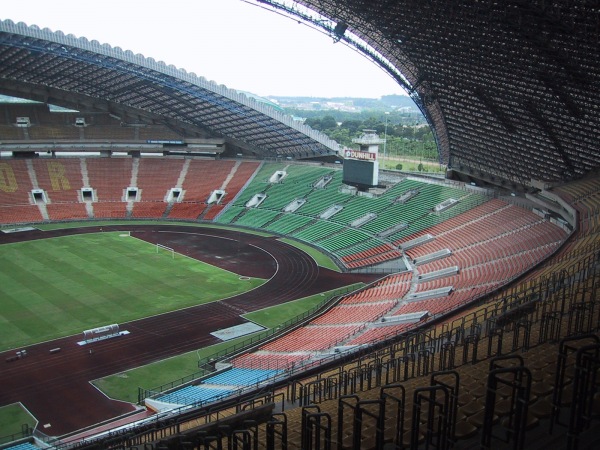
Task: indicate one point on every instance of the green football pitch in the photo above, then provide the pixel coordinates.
(62, 286)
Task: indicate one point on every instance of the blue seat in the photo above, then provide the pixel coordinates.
(241, 377)
(191, 395)
(23, 446)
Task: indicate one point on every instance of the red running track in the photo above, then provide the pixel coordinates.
(56, 388)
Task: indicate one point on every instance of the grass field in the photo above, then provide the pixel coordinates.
(61, 286)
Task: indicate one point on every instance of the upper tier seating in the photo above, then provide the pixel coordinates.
(11, 132)
(109, 133)
(53, 133)
(157, 132)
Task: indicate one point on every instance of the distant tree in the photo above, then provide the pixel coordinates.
(314, 123)
(404, 135)
(421, 132)
(398, 166)
(353, 125)
(407, 132)
(341, 135)
(328, 123)
(372, 123)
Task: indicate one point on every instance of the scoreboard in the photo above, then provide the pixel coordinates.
(361, 169)
(360, 155)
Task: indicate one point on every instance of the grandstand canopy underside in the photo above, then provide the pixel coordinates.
(74, 72)
(511, 88)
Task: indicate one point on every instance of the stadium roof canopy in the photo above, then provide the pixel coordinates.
(73, 72)
(511, 88)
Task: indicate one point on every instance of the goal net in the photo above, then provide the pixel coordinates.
(164, 249)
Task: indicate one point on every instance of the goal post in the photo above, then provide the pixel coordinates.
(164, 248)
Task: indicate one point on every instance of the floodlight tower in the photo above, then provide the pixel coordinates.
(387, 114)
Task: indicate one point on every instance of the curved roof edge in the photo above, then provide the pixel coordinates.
(94, 46)
(401, 70)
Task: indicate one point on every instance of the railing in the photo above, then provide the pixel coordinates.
(207, 362)
(413, 354)
(25, 433)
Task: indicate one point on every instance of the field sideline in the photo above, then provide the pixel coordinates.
(58, 287)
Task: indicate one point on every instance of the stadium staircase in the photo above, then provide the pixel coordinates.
(240, 189)
(168, 210)
(41, 205)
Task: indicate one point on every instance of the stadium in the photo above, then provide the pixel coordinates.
(160, 220)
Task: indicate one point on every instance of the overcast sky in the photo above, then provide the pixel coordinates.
(229, 41)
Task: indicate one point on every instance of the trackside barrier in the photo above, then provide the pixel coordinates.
(24, 435)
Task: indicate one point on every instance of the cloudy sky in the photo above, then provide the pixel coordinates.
(231, 42)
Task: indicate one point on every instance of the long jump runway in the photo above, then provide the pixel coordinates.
(56, 387)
